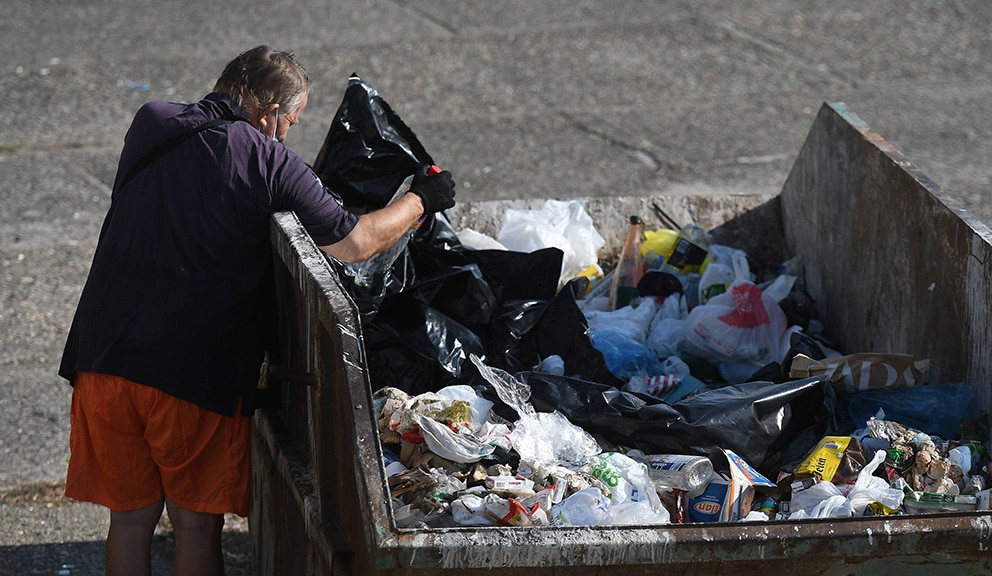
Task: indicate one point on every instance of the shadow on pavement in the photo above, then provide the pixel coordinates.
(86, 558)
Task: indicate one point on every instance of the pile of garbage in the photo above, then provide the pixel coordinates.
(776, 426)
(516, 383)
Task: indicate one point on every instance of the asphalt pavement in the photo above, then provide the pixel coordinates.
(519, 99)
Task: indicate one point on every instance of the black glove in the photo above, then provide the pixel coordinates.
(436, 191)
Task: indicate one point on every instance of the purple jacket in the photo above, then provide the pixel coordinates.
(180, 293)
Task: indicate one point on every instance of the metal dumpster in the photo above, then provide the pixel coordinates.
(893, 264)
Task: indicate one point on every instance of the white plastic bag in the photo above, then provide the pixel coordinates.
(665, 336)
(560, 224)
(470, 510)
(818, 501)
(740, 325)
(636, 513)
(779, 288)
(478, 240)
(470, 441)
(716, 280)
(665, 329)
(827, 500)
(587, 507)
(869, 488)
(833, 507)
(480, 407)
(628, 320)
(444, 442)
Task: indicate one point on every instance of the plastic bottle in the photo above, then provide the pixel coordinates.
(680, 471)
(690, 250)
(629, 270)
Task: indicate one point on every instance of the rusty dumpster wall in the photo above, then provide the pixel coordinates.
(899, 266)
(311, 457)
(321, 502)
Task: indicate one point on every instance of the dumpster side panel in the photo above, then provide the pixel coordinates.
(284, 504)
(326, 426)
(896, 266)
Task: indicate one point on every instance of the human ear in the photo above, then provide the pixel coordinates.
(266, 119)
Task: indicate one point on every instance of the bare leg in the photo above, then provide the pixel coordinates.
(129, 541)
(198, 550)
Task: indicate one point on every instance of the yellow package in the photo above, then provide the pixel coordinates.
(836, 459)
(594, 273)
(657, 245)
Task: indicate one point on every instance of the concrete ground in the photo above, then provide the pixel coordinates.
(519, 99)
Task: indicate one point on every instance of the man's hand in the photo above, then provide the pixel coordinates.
(436, 191)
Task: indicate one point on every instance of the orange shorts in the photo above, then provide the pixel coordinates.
(132, 444)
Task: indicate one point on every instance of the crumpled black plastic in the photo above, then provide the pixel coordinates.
(501, 306)
(367, 154)
(768, 424)
(368, 151)
(439, 301)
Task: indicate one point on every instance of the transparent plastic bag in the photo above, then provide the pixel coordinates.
(627, 478)
(373, 270)
(633, 497)
(638, 513)
(539, 437)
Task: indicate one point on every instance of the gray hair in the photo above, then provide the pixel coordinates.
(262, 76)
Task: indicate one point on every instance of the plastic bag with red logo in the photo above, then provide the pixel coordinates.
(741, 325)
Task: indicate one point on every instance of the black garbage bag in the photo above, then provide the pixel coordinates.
(534, 319)
(443, 317)
(416, 348)
(562, 329)
(367, 155)
(767, 424)
(368, 151)
(500, 305)
(512, 275)
(438, 317)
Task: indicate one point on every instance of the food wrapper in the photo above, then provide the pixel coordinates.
(836, 459)
(859, 372)
(917, 502)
